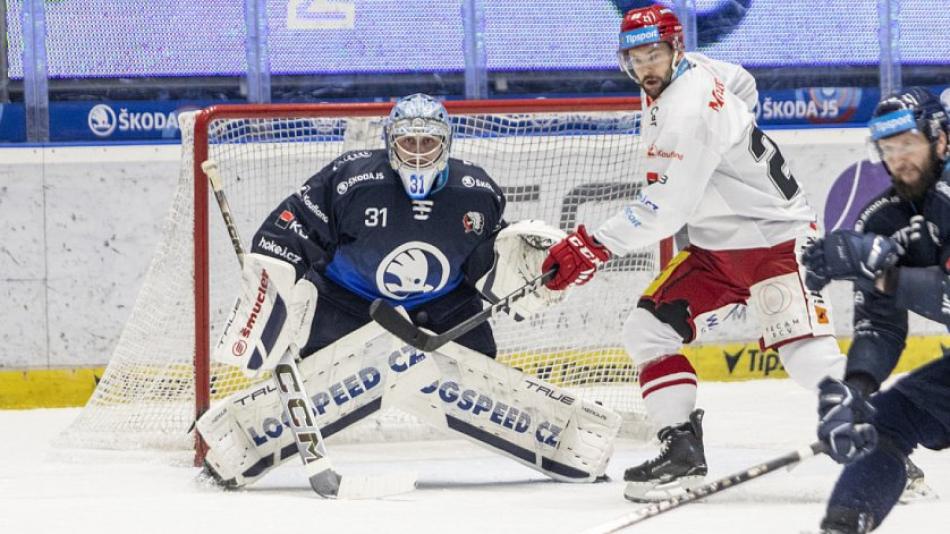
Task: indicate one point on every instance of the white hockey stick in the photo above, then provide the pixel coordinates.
(298, 406)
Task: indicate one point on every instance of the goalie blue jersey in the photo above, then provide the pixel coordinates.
(353, 225)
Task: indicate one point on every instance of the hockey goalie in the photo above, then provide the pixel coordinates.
(425, 232)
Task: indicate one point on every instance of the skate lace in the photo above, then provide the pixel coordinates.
(664, 449)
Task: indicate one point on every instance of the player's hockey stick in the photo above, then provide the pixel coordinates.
(299, 406)
(400, 326)
(706, 490)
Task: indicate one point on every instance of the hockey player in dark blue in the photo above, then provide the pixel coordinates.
(899, 259)
(427, 233)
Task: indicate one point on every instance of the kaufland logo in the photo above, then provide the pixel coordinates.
(640, 36)
(102, 120)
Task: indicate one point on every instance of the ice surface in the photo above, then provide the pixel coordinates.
(462, 488)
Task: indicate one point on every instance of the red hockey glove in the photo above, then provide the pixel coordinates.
(576, 258)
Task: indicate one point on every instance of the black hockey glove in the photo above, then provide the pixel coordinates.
(844, 421)
(849, 255)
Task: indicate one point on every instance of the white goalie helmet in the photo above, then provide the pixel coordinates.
(418, 137)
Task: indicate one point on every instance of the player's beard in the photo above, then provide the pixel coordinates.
(654, 90)
(928, 177)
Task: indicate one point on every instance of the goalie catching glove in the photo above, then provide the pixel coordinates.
(520, 249)
(272, 311)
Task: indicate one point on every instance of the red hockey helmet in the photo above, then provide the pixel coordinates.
(652, 24)
(645, 26)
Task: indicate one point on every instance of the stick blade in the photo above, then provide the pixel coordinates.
(355, 487)
(396, 324)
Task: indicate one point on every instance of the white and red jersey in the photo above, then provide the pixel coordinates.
(708, 166)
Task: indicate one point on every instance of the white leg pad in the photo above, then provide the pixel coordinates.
(500, 408)
(247, 433)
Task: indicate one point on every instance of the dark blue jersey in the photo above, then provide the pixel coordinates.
(880, 321)
(352, 229)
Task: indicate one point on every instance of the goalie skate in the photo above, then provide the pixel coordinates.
(680, 466)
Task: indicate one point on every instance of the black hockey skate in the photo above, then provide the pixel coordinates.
(681, 464)
(840, 520)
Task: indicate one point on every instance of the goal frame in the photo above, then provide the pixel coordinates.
(203, 120)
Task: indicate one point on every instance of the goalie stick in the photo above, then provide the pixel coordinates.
(400, 326)
(706, 490)
(324, 480)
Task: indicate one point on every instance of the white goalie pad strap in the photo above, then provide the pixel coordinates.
(271, 311)
(247, 433)
(520, 249)
(500, 408)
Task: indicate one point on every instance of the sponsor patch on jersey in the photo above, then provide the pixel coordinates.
(410, 269)
(345, 185)
(655, 178)
(469, 181)
(473, 221)
(718, 96)
(654, 152)
(822, 314)
(279, 250)
(284, 219)
(304, 194)
(631, 217)
(288, 221)
(649, 204)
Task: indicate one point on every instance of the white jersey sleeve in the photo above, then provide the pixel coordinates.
(737, 80)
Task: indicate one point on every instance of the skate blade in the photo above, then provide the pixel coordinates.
(646, 492)
(354, 487)
(918, 491)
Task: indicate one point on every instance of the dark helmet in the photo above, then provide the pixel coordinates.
(909, 109)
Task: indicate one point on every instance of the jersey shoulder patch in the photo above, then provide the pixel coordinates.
(357, 168)
(470, 176)
(883, 214)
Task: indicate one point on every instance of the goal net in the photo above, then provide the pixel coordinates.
(565, 161)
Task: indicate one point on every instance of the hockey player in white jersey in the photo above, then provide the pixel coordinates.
(710, 168)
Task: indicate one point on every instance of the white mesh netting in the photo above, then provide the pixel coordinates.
(564, 168)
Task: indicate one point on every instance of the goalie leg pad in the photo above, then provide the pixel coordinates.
(500, 408)
(247, 433)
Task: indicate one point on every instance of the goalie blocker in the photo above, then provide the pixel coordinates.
(454, 389)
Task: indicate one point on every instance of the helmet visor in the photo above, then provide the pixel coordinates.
(910, 143)
(651, 57)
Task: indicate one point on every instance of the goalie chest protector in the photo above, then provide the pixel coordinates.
(377, 242)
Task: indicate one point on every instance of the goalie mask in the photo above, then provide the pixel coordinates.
(418, 137)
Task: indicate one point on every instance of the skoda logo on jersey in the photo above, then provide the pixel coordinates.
(412, 268)
(468, 181)
(102, 120)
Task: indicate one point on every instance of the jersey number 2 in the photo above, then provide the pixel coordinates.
(762, 147)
